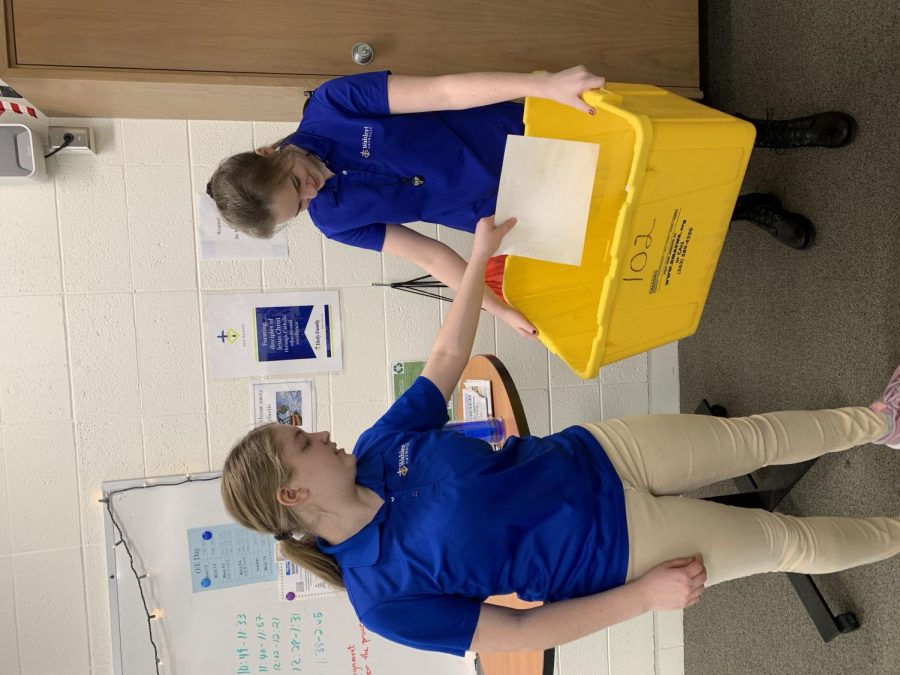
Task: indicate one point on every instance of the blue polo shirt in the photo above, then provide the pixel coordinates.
(439, 167)
(543, 518)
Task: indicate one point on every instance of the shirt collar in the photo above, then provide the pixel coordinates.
(321, 147)
(364, 547)
(318, 145)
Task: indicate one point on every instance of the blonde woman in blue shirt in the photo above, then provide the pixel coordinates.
(376, 150)
(420, 525)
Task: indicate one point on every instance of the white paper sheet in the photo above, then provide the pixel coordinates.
(475, 406)
(481, 390)
(291, 402)
(546, 183)
(296, 583)
(220, 241)
(272, 333)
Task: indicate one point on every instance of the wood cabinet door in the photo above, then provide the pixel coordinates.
(652, 41)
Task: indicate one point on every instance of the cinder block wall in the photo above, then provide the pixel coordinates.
(103, 375)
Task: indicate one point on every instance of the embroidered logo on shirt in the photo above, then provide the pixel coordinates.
(366, 142)
(403, 460)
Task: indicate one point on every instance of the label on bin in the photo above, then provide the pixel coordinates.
(670, 258)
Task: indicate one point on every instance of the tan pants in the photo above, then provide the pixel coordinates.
(661, 456)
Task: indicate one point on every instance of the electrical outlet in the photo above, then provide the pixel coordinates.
(83, 143)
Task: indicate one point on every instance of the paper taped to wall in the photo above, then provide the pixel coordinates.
(220, 241)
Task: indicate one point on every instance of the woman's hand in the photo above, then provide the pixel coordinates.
(453, 344)
(519, 323)
(568, 85)
(487, 240)
(488, 237)
(674, 584)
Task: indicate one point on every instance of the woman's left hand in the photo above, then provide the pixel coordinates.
(674, 584)
(568, 85)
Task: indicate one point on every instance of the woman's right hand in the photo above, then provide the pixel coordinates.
(568, 85)
(674, 584)
(488, 237)
(515, 320)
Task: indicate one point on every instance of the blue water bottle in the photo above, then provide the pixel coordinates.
(490, 430)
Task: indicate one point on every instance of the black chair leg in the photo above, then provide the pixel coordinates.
(828, 625)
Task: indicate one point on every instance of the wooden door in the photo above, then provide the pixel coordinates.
(651, 41)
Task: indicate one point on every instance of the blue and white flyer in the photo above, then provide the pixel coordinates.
(272, 333)
(223, 556)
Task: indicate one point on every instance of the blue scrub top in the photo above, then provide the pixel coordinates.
(543, 518)
(439, 167)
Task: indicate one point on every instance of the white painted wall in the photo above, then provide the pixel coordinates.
(103, 376)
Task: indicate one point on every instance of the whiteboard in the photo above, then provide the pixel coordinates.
(229, 630)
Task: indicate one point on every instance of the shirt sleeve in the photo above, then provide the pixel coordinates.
(370, 237)
(361, 94)
(437, 623)
(421, 408)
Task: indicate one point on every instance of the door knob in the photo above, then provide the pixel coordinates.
(362, 53)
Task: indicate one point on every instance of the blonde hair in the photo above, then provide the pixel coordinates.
(244, 186)
(252, 474)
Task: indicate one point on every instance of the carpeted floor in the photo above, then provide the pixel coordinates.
(786, 329)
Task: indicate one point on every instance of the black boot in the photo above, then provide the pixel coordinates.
(765, 210)
(827, 130)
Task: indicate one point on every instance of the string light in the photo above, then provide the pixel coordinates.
(157, 614)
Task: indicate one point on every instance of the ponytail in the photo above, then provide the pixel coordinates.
(305, 553)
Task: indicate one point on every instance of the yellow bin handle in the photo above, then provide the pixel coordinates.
(595, 97)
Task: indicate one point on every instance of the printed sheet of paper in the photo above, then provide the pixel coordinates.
(477, 404)
(297, 583)
(220, 241)
(223, 556)
(272, 333)
(546, 184)
(291, 403)
(474, 406)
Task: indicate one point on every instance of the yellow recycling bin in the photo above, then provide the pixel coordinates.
(668, 176)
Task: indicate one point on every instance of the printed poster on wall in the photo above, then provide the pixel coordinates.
(291, 403)
(273, 333)
(223, 556)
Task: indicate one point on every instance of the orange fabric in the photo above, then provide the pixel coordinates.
(493, 274)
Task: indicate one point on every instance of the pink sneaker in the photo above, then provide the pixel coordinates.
(889, 406)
